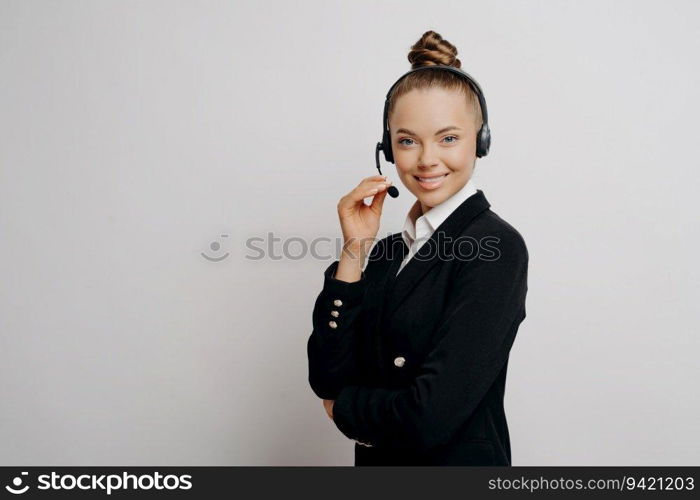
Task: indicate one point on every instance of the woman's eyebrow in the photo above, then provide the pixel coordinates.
(442, 130)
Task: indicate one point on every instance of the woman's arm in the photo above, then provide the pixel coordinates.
(472, 346)
(331, 348)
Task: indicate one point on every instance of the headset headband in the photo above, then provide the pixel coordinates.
(475, 86)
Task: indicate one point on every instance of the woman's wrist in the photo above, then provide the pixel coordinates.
(349, 268)
(351, 262)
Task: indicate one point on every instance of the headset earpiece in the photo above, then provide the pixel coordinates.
(386, 147)
(483, 141)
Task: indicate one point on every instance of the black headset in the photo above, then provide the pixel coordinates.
(483, 137)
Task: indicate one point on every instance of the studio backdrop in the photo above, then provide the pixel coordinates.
(169, 176)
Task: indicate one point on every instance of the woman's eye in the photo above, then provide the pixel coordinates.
(401, 141)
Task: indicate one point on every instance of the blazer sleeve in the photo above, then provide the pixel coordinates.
(472, 345)
(331, 347)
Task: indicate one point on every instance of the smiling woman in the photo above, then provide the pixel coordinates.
(434, 118)
(410, 353)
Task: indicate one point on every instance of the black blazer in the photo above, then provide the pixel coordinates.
(416, 363)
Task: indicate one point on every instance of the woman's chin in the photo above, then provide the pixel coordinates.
(432, 198)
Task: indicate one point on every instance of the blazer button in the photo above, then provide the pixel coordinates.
(399, 361)
(337, 302)
(335, 314)
(333, 324)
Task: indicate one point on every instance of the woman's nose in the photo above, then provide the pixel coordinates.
(427, 158)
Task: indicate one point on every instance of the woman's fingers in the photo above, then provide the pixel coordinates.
(378, 202)
(372, 181)
(368, 187)
(372, 190)
(328, 406)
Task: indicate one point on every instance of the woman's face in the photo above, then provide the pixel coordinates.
(423, 146)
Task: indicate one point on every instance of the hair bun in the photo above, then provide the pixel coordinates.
(431, 49)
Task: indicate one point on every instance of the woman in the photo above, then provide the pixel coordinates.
(410, 355)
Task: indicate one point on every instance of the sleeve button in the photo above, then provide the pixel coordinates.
(399, 361)
(333, 324)
(337, 302)
(335, 314)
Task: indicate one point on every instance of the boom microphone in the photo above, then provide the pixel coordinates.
(393, 192)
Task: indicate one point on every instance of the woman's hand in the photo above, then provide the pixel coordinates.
(358, 221)
(328, 405)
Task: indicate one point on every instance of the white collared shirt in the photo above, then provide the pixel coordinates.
(416, 234)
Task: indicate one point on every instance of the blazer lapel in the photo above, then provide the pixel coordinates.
(427, 256)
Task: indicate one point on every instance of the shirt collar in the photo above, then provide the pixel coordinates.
(421, 226)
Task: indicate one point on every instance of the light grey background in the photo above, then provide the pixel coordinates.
(133, 134)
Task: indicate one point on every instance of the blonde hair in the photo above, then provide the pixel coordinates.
(429, 50)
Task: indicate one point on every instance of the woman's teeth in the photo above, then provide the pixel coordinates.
(431, 180)
(431, 183)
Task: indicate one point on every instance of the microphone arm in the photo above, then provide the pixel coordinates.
(393, 192)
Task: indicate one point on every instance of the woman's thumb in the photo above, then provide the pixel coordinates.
(378, 202)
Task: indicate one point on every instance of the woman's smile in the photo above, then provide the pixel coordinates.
(432, 182)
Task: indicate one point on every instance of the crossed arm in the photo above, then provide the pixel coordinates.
(473, 344)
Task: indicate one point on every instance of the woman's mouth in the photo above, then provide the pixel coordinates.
(430, 182)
